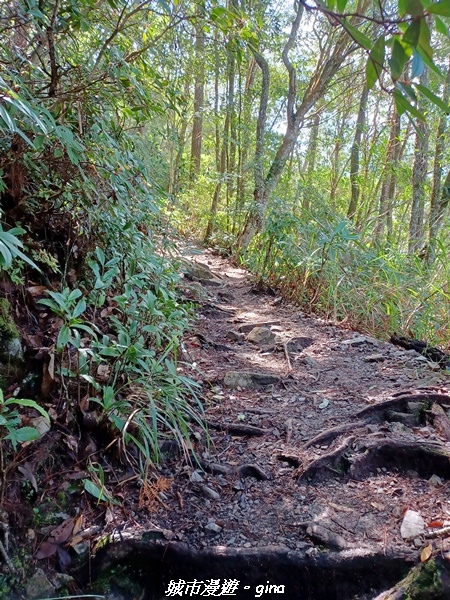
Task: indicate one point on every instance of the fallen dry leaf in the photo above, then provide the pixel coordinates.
(435, 524)
(46, 549)
(78, 524)
(63, 532)
(26, 470)
(109, 516)
(426, 553)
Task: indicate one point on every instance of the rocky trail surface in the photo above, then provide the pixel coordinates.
(327, 471)
(327, 474)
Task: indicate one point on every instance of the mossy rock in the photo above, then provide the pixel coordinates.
(11, 352)
(199, 271)
(427, 581)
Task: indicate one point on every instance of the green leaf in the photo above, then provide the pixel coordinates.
(441, 27)
(93, 382)
(403, 105)
(397, 60)
(440, 8)
(23, 434)
(102, 495)
(433, 98)
(79, 308)
(374, 66)
(73, 155)
(29, 403)
(51, 304)
(429, 62)
(401, 7)
(7, 119)
(341, 4)
(359, 37)
(100, 255)
(110, 351)
(424, 39)
(74, 294)
(407, 90)
(411, 35)
(39, 141)
(63, 337)
(26, 434)
(413, 8)
(84, 328)
(5, 256)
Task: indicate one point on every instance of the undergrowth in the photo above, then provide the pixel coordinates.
(89, 202)
(320, 261)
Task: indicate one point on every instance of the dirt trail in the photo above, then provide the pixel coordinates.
(262, 485)
(339, 373)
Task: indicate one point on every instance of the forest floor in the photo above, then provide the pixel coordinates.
(260, 482)
(326, 375)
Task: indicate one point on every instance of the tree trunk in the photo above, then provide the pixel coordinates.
(354, 153)
(244, 138)
(335, 159)
(199, 93)
(439, 198)
(216, 101)
(223, 154)
(309, 164)
(388, 176)
(332, 57)
(231, 151)
(176, 151)
(416, 223)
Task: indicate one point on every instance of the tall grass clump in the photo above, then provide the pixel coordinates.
(319, 260)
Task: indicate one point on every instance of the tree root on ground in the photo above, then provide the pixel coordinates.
(382, 437)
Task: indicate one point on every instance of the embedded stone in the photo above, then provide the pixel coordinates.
(199, 271)
(412, 525)
(262, 336)
(374, 358)
(236, 379)
(39, 586)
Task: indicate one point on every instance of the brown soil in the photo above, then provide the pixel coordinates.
(329, 383)
(259, 483)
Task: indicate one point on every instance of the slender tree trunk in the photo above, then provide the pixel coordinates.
(199, 94)
(244, 138)
(416, 223)
(335, 160)
(388, 176)
(176, 149)
(231, 151)
(439, 198)
(309, 164)
(216, 101)
(354, 154)
(328, 64)
(223, 154)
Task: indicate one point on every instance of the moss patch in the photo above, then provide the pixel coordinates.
(424, 582)
(8, 329)
(11, 353)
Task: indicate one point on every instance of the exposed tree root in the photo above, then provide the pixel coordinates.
(423, 348)
(310, 575)
(237, 428)
(372, 445)
(360, 458)
(334, 432)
